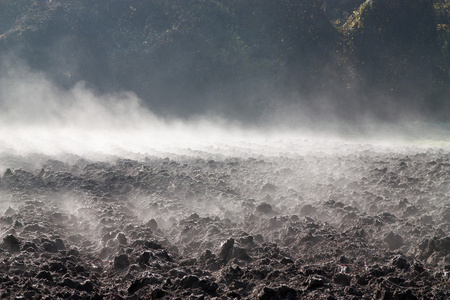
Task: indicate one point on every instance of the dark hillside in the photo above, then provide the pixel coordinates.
(338, 11)
(241, 59)
(397, 49)
(442, 8)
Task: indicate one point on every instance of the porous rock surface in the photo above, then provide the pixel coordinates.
(365, 224)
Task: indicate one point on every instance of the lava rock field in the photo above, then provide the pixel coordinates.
(364, 223)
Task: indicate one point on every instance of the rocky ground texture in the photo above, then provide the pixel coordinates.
(358, 224)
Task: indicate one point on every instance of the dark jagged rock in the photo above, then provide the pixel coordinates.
(189, 281)
(164, 255)
(59, 243)
(140, 283)
(158, 293)
(121, 262)
(240, 253)
(400, 262)
(50, 246)
(287, 292)
(87, 286)
(30, 247)
(226, 251)
(144, 258)
(341, 278)
(315, 282)
(207, 286)
(11, 243)
(153, 245)
(58, 267)
(73, 252)
(268, 294)
(7, 173)
(68, 282)
(45, 275)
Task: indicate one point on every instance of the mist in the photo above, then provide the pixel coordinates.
(38, 116)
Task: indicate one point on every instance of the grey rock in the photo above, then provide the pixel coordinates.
(122, 239)
(393, 240)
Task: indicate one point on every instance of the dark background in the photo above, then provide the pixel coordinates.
(245, 60)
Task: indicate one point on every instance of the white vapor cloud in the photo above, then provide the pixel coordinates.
(36, 116)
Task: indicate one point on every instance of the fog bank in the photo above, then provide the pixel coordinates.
(38, 117)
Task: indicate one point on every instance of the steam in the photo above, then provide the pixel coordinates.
(36, 116)
(39, 117)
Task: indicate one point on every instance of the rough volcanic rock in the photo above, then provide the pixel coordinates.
(121, 262)
(11, 243)
(348, 222)
(393, 240)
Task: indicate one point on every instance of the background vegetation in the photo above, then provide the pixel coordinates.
(245, 59)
